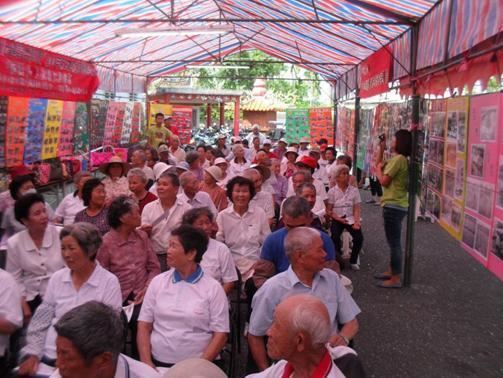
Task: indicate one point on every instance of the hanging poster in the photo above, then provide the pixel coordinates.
(99, 109)
(364, 135)
(110, 123)
(434, 156)
(65, 144)
(127, 124)
(296, 124)
(321, 125)
(375, 72)
(17, 121)
(136, 122)
(3, 127)
(182, 120)
(35, 131)
(482, 172)
(119, 123)
(155, 108)
(81, 133)
(454, 160)
(52, 125)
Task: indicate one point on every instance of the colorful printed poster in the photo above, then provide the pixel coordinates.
(17, 121)
(364, 132)
(52, 125)
(321, 125)
(137, 117)
(119, 123)
(35, 131)
(81, 132)
(182, 120)
(99, 110)
(297, 124)
(3, 127)
(65, 145)
(155, 108)
(127, 124)
(453, 192)
(112, 110)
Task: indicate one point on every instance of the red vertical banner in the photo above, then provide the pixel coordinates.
(182, 120)
(110, 123)
(119, 123)
(65, 145)
(135, 122)
(17, 122)
(375, 73)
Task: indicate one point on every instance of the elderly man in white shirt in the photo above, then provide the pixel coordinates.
(139, 160)
(72, 203)
(99, 356)
(242, 227)
(11, 314)
(298, 338)
(160, 217)
(256, 133)
(175, 150)
(192, 195)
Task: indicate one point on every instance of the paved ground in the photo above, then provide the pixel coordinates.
(448, 324)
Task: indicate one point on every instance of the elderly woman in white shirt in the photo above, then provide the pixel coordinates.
(185, 311)
(242, 227)
(33, 255)
(239, 164)
(217, 260)
(83, 280)
(344, 209)
(116, 182)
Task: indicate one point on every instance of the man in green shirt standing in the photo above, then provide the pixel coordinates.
(158, 133)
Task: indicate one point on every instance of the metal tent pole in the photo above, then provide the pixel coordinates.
(357, 122)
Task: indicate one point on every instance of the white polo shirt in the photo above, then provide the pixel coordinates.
(32, 267)
(265, 201)
(184, 314)
(69, 207)
(61, 297)
(237, 169)
(218, 263)
(344, 201)
(10, 306)
(244, 235)
(165, 222)
(201, 199)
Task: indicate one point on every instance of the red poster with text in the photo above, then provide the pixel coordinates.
(182, 119)
(374, 73)
(32, 72)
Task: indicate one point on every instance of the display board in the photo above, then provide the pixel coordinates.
(81, 131)
(182, 120)
(454, 162)
(344, 140)
(321, 125)
(364, 134)
(17, 121)
(3, 128)
(99, 110)
(37, 110)
(65, 143)
(296, 124)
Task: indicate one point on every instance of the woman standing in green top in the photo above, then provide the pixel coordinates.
(393, 176)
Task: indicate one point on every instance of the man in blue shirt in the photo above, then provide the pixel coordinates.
(296, 213)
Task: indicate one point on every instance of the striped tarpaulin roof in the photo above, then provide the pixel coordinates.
(338, 34)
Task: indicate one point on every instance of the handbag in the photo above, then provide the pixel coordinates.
(102, 157)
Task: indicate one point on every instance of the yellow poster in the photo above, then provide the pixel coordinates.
(155, 108)
(51, 133)
(454, 164)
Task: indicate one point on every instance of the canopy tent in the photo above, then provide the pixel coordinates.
(327, 37)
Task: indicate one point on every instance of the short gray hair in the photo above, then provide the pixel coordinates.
(93, 328)
(138, 172)
(296, 206)
(338, 169)
(303, 186)
(307, 317)
(141, 154)
(300, 239)
(251, 171)
(185, 177)
(87, 235)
